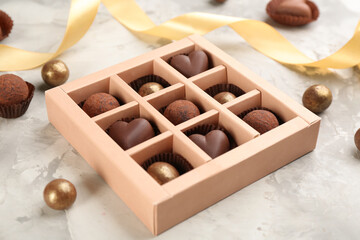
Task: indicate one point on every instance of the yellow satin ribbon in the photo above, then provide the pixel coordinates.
(259, 35)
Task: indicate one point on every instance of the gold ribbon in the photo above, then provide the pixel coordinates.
(259, 35)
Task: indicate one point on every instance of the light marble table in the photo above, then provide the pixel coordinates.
(315, 197)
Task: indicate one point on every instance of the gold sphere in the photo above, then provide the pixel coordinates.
(357, 139)
(149, 88)
(162, 172)
(59, 194)
(224, 97)
(317, 98)
(55, 73)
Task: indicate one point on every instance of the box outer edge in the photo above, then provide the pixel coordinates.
(63, 118)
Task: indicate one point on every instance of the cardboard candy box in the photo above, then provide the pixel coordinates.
(162, 206)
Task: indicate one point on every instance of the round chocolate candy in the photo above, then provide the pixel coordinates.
(317, 98)
(162, 172)
(99, 103)
(224, 97)
(59, 194)
(13, 89)
(149, 88)
(55, 73)
(261, 120)
(180, 111)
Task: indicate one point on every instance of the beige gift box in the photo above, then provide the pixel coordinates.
(162, 206)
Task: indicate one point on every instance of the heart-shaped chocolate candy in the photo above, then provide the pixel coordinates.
(130, 134)
(294, 7)
(214, 143)
(195, 63)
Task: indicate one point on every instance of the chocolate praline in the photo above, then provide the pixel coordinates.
(224, 97)
(13, 89)
(292, 12)
(162, 172)
(130, 134)
(192, 64)
(261, 120)
(99, 103)
(213, 143)
(180, 111)
(149, 88)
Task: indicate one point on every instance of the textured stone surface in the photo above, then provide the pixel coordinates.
(315, 197)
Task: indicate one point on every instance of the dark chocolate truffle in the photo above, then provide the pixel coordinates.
(99, 103)
(130, 134)
(180, 111)
(6, 24)
(357, 139)
(195, 63)
(13, 89)
(261, 120)
(214, 143)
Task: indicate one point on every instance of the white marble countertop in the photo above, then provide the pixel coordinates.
(315, 197)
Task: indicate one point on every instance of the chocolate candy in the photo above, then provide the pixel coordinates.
(317, 98)
(292, 12)
(162, 172)
(224, 97)
(295, 8)
(357, 139)
(13, 89)
(149, 88)
(261, 120)
(130, 134)
(6, 25)
(99, 103)
(180, 111)
(195, 63)
(214, 143)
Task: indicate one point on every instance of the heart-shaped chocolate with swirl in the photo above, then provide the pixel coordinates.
(130, 134)
(195, 63)
(214, 143)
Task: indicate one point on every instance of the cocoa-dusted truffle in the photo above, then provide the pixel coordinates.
(181, 111)
(13, 89)
(261, 120)
(6, 24)
(99, 103)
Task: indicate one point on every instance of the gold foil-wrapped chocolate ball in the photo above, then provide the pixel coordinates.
(55, 73)
(224, 97)
(357, 139)
(317, 98)
(59, 194)
(162, 172)
(149, 88)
